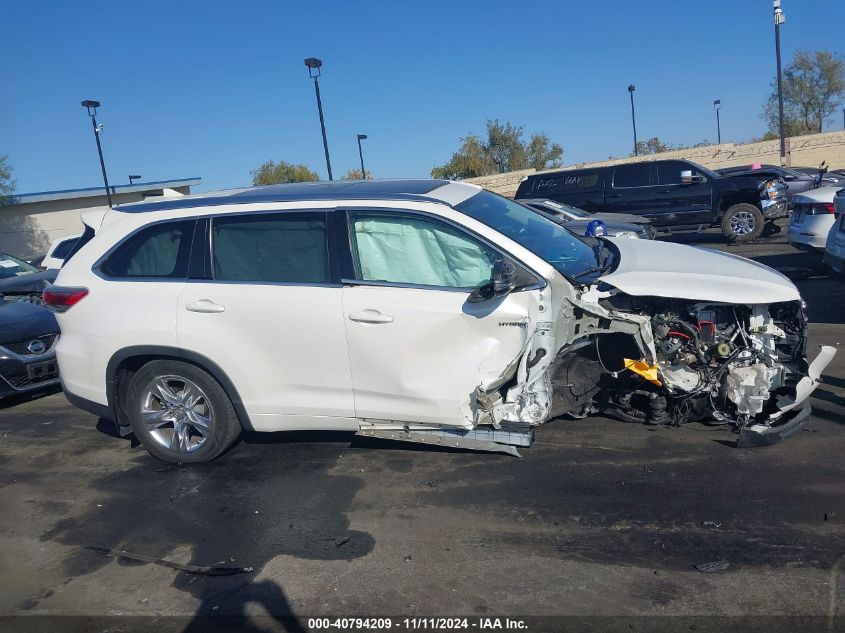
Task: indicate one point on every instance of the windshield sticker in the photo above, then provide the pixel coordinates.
(7, 263)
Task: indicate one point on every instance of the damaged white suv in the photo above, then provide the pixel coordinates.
(423, 310)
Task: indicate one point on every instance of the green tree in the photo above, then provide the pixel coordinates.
(813, 85)
(505, 149)
(355, 174)
(7, 183)
(271, 173)
(652, 146)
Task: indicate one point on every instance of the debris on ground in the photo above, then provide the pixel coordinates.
(212, 570)
(707, 568)
(340, 542)
(711, 524)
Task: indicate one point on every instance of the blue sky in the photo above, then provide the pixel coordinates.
(213, 88)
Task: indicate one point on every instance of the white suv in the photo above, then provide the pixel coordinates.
(418, 310)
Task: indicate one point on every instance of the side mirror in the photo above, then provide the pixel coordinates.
(502, 282)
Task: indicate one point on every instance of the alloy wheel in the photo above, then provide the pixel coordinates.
(743, 223)
(176, 413)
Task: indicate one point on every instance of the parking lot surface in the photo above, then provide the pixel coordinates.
(599, 517)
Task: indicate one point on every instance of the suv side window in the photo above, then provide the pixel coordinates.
(634, 175)
(669, 173)
(160, 250)
(271, 248)
(410, 249)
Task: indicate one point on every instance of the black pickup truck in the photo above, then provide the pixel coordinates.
(674, 194)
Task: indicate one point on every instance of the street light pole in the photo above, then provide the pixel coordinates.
(92, 106)
(631, 89)
(361, 137)
(780, 18)
(314, 65)
(717, 105)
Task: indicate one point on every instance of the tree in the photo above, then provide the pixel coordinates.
(7, 183)
(652, 146)
(355, 174)
(813, 85)
(505, 149)
(271, 173)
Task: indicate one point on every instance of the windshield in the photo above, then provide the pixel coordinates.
(12, 266)
(567, 253)
(566, 209)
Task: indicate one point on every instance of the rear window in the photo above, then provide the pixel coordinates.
(636, 175)
(161, 250)
(564, 182)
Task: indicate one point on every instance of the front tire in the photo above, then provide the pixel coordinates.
(180, 413)
(742, 222)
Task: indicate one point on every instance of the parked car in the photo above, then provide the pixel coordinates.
(811, 219)
(578, 221)
(834, 252)
(673, 194)
(417, 310)
(796, 181)
(21, 281)
(830, 177)
(27, 349)
(58, 251)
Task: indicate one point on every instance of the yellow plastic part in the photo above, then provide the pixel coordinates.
(642, 368)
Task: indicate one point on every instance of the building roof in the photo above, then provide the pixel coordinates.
(90, 192)
(415, 190)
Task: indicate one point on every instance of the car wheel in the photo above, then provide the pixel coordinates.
(180, 413)
(742, 223)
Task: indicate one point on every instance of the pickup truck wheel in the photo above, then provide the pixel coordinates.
(742, 222)
(180, 413)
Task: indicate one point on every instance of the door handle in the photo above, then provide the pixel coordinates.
(664, 191)
(614, 195)
(206, 306)
(370, 316)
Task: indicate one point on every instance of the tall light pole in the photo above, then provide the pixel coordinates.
(133, 177)
(717, 105)
(780, 18)
(631, 89)
(314, 65)
(92, 112)
(361, 137)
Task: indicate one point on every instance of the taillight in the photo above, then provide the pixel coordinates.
(62, 299)
(829, 207)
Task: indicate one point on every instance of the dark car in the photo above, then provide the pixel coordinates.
(578, 220)
(673, 194)
(21, 281)
(831, 177)
(796, 181)
(28, 335)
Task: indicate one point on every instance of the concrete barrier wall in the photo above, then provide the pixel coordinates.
(803, 151)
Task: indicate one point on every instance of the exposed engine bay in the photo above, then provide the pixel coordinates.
(720, 364)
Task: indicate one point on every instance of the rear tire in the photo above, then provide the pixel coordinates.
(180, 413)
(742, 222)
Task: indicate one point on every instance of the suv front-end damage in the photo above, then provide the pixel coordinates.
(662, 360)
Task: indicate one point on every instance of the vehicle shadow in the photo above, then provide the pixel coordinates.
(15, 400)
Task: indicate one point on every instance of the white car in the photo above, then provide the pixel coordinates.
(58, 251)
(811, 218)
(418, 310)
(834, 252)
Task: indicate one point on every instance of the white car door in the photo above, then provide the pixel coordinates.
(417, 348)
(270, 316)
